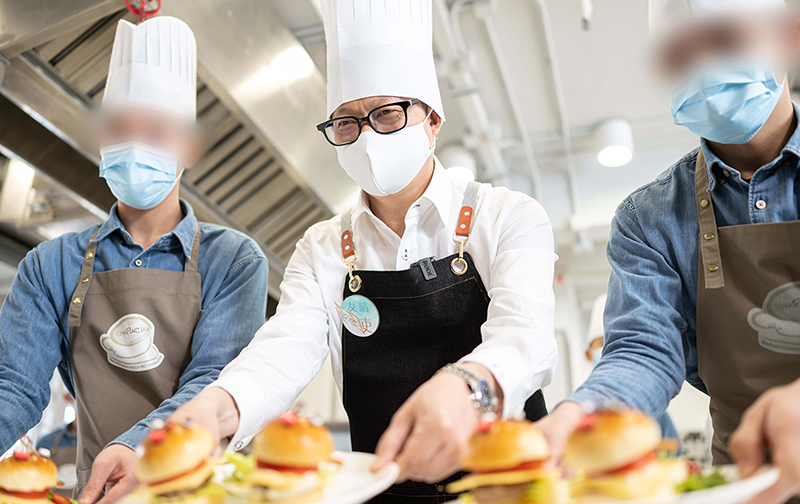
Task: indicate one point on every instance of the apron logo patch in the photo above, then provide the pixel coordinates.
(778, 322)
(359, 315)
(129, 344)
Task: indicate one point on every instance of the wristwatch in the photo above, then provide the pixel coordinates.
(483, 397)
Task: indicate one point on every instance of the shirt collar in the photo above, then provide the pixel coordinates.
(184, 231)
(439, 194)
(792, 147)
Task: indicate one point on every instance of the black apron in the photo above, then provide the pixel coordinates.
(430, 316)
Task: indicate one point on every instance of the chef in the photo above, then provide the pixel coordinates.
(138, 313)
(433, 296)
(705, 282)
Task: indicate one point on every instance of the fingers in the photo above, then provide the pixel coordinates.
(748, 442)
(392, 440)
(123, 487)
(558, 426)
(419, 449)
(100, 473)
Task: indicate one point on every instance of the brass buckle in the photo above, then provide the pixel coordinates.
(354, 283)
(458, 265)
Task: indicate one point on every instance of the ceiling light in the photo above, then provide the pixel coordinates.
(616, 143)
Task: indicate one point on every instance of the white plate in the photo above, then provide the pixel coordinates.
(355, 483)
(737, 491)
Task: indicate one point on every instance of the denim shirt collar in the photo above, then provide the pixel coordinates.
(184, 231)
(792, 147)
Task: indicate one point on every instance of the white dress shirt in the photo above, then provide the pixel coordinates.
(511, 245)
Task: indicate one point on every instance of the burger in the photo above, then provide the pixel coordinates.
(177, 464)
(507, 460)
(26, 478)
(616, 451)
(293, 461)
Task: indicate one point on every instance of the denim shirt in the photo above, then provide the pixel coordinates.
(651, 345)
(34, 337)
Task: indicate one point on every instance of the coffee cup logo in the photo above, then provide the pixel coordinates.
(129, 344)
(778, 321)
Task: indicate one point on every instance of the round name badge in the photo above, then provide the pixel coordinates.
(359, 315)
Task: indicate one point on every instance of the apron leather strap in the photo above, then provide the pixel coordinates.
(711, 262)
(348, 250)
(466, 215)
(190, 263)
(76, 303)
(463, 228)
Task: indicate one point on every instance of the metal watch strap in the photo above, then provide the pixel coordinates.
(483, 396)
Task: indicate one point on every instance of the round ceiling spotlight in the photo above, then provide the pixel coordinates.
(616, 143)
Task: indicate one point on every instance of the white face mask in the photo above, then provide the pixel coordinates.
(385, 164)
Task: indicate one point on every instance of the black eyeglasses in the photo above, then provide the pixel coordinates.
(385, 120)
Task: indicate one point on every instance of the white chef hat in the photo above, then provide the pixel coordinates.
(668, 15)
(596, 329)
(380, 48)
(154, 65)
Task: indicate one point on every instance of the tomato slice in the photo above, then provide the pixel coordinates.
(27, 495)
(525, 466)
(650, 457)
(181, 475)
(283, 468)
(59, 499)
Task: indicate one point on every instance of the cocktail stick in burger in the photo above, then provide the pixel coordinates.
(507, 461)
(291, 456)
(177, 464)
(26, 478)
(616, 451)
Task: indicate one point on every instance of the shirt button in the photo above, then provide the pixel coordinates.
(138, 262)
(726, 173)
(761, 204)
(239, 445)
(440, 488)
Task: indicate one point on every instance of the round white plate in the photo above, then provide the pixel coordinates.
(737, 491)
(355, 482)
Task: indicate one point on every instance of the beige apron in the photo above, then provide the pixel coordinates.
(748, 312)
(129, 344)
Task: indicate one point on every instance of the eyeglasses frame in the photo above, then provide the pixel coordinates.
(406, 104)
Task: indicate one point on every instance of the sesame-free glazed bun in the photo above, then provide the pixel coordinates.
(611, 440)
(180, 450)
(293, 441)
(505, 445)
(33, 474)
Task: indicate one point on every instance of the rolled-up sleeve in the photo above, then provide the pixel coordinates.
(31, 341)
(519, 346)
(643, 359)
(227, 324)
(286, 353)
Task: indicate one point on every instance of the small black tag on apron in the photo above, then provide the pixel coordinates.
(428, 271)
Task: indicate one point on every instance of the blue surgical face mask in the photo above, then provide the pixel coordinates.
(728, 104)
(139, 175)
